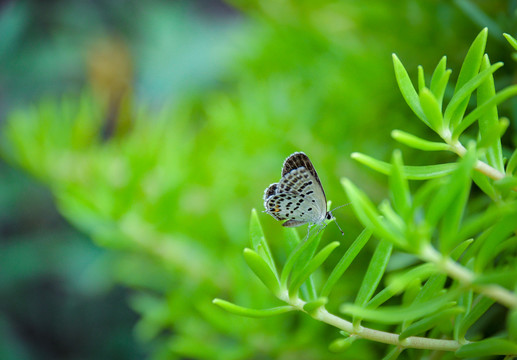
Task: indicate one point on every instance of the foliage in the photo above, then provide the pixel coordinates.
(463, 256)
(166, 193)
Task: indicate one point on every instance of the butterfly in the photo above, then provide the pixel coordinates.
(298, 197)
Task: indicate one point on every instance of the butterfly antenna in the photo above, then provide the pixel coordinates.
(339, 227)
(340, 206)
(342, 233)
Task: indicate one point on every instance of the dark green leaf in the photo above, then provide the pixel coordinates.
(346, 260)
(481, 305)
(487, 347)
(512, 163)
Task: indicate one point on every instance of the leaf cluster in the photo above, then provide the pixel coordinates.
(462, 244)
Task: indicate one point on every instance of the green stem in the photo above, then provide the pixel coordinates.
(480, 166)
(414, 342)
(467, 277)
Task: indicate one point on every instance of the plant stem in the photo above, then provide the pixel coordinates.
(480, 166)
(467, 277)
(414, 342)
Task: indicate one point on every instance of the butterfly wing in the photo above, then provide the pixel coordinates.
(298, 198)
(300, 159)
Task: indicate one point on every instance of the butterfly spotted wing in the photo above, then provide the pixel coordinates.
(298, 197)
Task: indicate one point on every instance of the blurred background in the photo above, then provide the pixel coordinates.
(136, 137)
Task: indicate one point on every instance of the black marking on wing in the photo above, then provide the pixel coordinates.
(297, 160)
(270, 191)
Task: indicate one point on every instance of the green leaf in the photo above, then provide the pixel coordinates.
(512, 324)
(258, 240)
(428, 322)
(511, 40)
(340, 345)
(449, 201)
(291, 238)
(374, 273)
(465, 301)
(406, 88)
(256, 313)
(397, 283)
(398, 314)
(399, 186)
(468, 71)
(481, 305)
(314, 305)
(394, 353)
(452, 217)
(489, 129)
(346, 260)
(312, 265)
(432, 111)
(487, 347)
(497, 234)
(411, 172)
(504, 277)
(418, 143)
(392, 218)
(261, 268)
(421, 78)
(460, 249)
(440, 79)
(299, 257)
(458, 104)
(368, 215)
(484, 108)
(483, 182)
(512, 163)
(476, 223)
(431, 287)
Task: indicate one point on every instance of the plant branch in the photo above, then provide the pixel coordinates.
(480, 166)
(467, 277)
(414, 342)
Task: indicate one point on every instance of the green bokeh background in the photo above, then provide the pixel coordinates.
(137, 136)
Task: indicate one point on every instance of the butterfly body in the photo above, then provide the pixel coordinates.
(298, 197)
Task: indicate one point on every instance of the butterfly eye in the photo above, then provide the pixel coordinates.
(329, 216)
